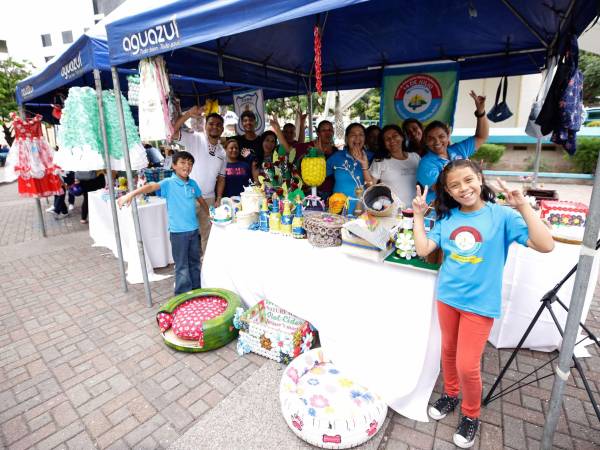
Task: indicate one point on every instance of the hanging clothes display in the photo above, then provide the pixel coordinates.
(154, 117)
(562, 112)
(80, 136)
(31, 159)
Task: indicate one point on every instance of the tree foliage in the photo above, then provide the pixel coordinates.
(367, 107)
(590, 67)
(11, 72)
(287, 108)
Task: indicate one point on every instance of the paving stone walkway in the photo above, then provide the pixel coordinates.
(82, 365)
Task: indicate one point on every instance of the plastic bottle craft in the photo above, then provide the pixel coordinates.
(263, 217)
(286, 219)
(275, 216)
(298, 230)
(314, 171)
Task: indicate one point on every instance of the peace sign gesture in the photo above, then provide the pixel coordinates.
(419, 203)
(479, 101)
(514, 197)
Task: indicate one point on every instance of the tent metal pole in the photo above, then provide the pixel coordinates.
(38, 204)
(518, 15)
(109, 177)
(536, 162)
(580, 287)
(134, 210)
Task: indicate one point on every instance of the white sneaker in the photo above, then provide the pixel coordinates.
(71, 207)
(50, 210)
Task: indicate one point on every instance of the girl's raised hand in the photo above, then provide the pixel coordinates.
(274, 122)
(514, 197)
(419, 203)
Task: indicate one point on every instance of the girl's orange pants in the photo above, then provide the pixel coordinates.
(464, 335)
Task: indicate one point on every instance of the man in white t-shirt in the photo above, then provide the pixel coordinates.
(210, 162)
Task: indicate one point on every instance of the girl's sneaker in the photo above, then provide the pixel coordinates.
(444, 406)
(465, 432)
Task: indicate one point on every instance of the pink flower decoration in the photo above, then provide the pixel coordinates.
(293, 374)
(318, 401)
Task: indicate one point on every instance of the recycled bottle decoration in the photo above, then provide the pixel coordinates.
(263, 217)
(286, 219)
(275, 216)
(298, 230)
(405, 240)
(358, 209)
(314, 171)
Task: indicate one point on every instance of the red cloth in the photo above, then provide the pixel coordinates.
(189, 317)
(464, 336)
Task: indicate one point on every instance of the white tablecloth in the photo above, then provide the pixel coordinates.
(378, 321)
(154, 225)
(528, 275)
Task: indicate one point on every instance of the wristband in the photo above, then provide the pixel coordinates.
(479, 115)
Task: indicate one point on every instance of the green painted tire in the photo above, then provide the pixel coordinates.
(218, 331)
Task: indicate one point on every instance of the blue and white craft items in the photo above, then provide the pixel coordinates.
(263, 217)
(298, 230)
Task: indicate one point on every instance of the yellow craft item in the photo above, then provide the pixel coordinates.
(337, 202)
(211, 106)
(313, 167)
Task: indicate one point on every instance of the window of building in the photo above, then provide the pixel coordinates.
(48, 58)
(3, 47)
(67, 37)
(46, 40)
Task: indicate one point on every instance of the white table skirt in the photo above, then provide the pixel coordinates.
(528, 275)
(378, 321)
(154, 225)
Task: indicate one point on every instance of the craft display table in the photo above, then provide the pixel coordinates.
(154, 225)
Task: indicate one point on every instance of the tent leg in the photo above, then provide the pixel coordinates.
(134, 210)
(38, 204)
(109, 177)
(580, 287)
(536, 163)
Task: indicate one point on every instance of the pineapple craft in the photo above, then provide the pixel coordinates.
(314, 170)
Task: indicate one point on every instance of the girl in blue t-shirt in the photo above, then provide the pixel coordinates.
(474, 234)
(238, 172)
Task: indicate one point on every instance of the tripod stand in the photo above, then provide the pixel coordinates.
(547, 300)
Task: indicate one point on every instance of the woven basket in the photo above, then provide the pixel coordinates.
(324, 229)
(376, 191)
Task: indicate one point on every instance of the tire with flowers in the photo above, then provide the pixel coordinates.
(325, 408)
(205, 319)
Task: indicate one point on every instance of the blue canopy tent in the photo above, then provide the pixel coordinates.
(271, 43)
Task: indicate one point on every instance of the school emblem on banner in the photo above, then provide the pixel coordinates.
(424, 93)
(250, 101)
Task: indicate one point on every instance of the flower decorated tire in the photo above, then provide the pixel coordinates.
(199, 320)
(326, 409)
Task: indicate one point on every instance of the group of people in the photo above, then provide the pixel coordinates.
(425, 170)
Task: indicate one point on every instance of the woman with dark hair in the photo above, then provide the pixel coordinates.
(436, 137)
(372, 134)
(349, 165)
(397, 168)
(413, 132)
(238, 172)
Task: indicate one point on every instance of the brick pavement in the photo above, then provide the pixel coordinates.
(82, 366)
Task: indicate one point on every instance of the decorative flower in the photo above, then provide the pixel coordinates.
(554, 219)
(285, 358)
(318, 401)
(312, 381)
(265, 342)
(356, 394)
(242, 347)
(236, 318)
(334, 371)
(317, 370)
(306, 342)
(368, 397)
(283, 342)
(345, 382)
(293, 374)
(405, 243)
(312, 412)
(329, 410)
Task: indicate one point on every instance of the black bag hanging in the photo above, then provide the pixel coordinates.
(500, 111)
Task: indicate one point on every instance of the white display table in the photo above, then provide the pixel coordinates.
(377, 321)
(528, 275)
(154, 225)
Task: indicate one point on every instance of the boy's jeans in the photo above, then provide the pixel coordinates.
(185, 247)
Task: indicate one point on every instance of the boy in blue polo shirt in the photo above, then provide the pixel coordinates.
(181, 194)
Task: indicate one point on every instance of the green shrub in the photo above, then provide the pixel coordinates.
(586, 156)
(593, 123)
(489, 153)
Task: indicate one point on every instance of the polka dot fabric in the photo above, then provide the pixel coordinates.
(165, 320)
(189, 316)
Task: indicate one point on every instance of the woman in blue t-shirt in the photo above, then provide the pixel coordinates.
(349, 165)
(238, 172)
(436, 138)
(474, 234)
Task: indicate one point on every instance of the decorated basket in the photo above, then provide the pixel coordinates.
(324, 407)
(563, 213)
(273, 332)
(324, 229)
(199, 320)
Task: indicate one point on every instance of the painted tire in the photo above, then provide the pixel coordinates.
(324, 408)
(218, 331)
